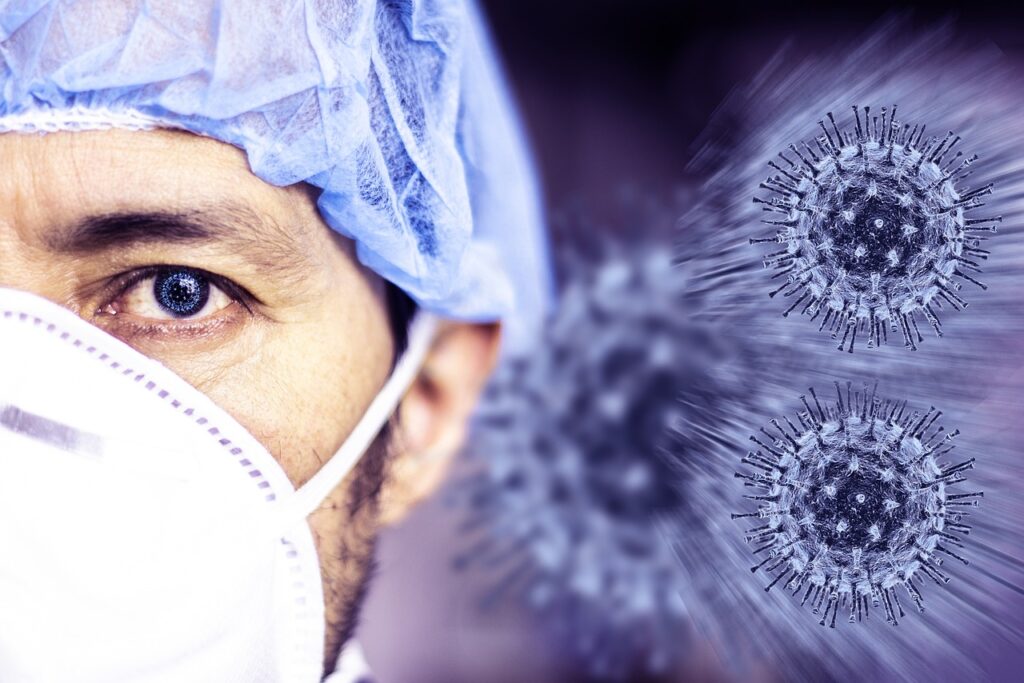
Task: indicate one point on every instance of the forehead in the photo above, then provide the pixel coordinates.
(58, 174)
(51, 183)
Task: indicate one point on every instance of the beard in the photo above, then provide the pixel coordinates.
(345, 531)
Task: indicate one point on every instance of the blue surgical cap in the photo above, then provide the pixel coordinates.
(395, 109)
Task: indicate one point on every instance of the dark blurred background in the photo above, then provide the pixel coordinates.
(616, 91)
(613, 94)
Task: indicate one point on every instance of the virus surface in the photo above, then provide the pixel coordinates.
(856, 504)
(875, 228)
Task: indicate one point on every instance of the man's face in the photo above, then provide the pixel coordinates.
(166, 241)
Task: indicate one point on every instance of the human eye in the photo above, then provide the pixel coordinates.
(172, 293)
(171, 299)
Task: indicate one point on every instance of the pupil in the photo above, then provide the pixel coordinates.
(181, 293)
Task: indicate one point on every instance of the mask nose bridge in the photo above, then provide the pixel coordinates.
(50, 432)
(26, 317)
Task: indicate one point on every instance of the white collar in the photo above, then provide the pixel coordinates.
(351, 667)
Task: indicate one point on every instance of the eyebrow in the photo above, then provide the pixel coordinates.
(236, 228)
(98, 233)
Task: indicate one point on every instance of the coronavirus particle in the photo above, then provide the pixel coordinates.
(855, 504)
(876, 234)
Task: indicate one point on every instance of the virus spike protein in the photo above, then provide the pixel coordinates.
(875, 229)
(854, 502)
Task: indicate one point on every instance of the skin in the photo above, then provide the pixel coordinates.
(294, 346)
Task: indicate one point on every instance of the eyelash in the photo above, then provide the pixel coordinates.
(237, 293)
(133, 328)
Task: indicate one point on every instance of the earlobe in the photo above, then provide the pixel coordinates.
(432, 421)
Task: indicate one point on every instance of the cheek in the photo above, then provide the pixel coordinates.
(302, 388)
(292, 398)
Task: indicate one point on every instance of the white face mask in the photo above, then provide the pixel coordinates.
(144, 534)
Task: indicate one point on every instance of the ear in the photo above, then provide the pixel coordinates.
(433, 418)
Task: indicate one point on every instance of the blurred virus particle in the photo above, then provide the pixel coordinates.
(575, 441)
(856, 504)
(875, 228)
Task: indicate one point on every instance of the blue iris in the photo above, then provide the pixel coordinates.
(181, 292)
